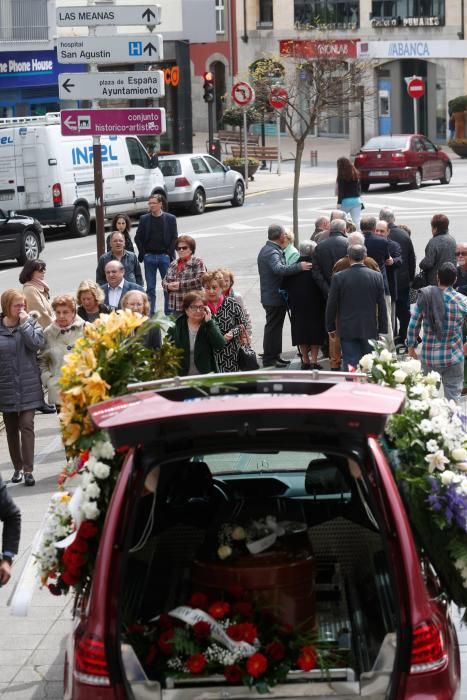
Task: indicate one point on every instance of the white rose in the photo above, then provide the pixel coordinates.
(432, 378)
(90, 510)
(86, 479)
(413, 366)
(432, 446)
(238, 533)
(105, 450)
(90, 462)
(385, 356)
(224, 552)
(101, 470)
(426, 426)
(447, 477)
(366, 362)
(459, 454)
(92, 490)
(399, 376)
(462, 466)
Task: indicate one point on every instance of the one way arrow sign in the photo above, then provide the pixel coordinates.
(67, 85)
(108, 15)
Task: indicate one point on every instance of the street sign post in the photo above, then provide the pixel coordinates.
(415, 90)
(131, 85)
(243, 94)
(94, 16)
(147, 121)
(135, 48)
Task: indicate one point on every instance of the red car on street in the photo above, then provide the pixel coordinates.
(212, 450)
(402, 158)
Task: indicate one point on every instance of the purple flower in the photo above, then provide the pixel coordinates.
(450, 501)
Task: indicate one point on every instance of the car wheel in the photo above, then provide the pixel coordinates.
(446, 179)
(198, 204)
(417, 181)
(81, 222)
(365, 186)
(393, 185)
(239, 195)
(30, 247)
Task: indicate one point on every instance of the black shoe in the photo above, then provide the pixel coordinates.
(282, 363)
(336, 369)
(316, 365)
(17, 476)
(305, 366)
(29, 480)
(47, 408)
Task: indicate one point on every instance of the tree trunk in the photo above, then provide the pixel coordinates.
(459, 125)
(300, 145)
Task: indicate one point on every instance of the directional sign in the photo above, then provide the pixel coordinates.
(147, 121)
(415, 87)
(108, 15)
(130, 85)
(243, 94)
(278, 97)
(120, 48)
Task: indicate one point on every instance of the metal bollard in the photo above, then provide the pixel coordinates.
(313, 158)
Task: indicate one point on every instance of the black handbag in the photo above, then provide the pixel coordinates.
(247, 359)
(419, 281)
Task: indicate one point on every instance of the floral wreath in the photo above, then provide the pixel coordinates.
(110, 355)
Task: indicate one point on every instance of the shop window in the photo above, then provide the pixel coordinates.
(220, 17)
(23, 20)
(266, 17)
(333, 14)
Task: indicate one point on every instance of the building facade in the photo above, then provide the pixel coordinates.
(396, 38)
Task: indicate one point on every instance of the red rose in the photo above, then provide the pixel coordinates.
(54, 589)
(195, 663)
(87, 530)
(256, 665)
(201, 629)
(80, 544)
(243, 608)
(286, 629)
(151, 656)
(232, 674)
(234, 632)
(237, 592)
(199, 600)
(249, 632)
(70, 577)
(83, 457)
(276, 650)
(164, 641)
(219, 609)
(165, 622)
(307, 659)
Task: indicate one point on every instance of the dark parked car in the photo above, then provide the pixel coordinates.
(208, 453)
(403, 158)
(21, 237)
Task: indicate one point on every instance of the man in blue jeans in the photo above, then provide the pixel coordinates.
(155, 239)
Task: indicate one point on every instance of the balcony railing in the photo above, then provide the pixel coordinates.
(23, 20)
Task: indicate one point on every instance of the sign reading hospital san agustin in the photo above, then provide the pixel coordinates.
(137, 48)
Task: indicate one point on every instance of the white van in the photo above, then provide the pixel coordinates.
(50, 177)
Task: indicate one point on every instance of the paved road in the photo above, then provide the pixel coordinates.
(31, 649)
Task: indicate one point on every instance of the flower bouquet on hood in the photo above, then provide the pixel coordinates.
(426, 444)
(233, 638)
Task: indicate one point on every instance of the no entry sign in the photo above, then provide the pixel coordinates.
(278, 97)
(416, 88)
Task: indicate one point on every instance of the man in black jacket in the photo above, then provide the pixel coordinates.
(405, 274)
(356, 305)
(11, 517)
(155, 239)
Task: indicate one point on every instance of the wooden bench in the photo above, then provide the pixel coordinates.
(269, 153)
(235, 138)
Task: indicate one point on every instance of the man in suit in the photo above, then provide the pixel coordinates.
(405, 274)
(155, 239)
(392, 271)
(356, 306)
(117, 286)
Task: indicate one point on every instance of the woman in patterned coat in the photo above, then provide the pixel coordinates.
(184, 274)
(230, 317)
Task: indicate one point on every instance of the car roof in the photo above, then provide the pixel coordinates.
(272, 396)
(182, 155)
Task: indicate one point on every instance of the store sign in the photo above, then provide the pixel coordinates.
(171, 75)
(30, 68)
(412, 49)
(383, 22)
(327, 48)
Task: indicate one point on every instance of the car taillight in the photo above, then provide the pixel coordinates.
(91, 661)
(428, 649)
(181, 182)
(57, 193)
(400, 157)
(361, 158)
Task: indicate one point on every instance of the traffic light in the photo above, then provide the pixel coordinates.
(208, 87)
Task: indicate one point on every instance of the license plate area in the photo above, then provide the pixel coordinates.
(378, 173)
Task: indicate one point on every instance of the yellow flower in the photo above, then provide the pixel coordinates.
(71, 433)
(77, 394)
(65, 497)
(96, 388)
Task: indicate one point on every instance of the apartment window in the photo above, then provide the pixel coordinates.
(220, 17)
(23, 20)
(330, 14)
(422, 12)
(265, 14)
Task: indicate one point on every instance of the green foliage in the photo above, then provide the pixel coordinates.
(457, 104)
(234, 116)
(240, 162)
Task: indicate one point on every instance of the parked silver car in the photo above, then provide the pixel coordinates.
(196, 179)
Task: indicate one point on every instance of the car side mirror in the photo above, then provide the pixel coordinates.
(154, 161)
(11, 213)
(226, 168)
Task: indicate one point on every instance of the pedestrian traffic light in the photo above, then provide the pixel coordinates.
(208, 87)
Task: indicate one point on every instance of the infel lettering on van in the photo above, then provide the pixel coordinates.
(54, 174)
(84, 155)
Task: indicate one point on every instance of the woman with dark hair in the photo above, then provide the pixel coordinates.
(184, 274)
(21, 336)
(348, 189)
(36, 291)
(198, 335)
(122, 224)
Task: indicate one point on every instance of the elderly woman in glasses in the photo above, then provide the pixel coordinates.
(184, 274)
(36, 291)
(198, 335)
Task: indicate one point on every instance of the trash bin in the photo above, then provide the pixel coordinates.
(313, 158)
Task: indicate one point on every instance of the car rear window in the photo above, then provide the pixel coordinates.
(385, 143)
(170, 168)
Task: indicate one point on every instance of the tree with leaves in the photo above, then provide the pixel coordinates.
(315, 86)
